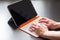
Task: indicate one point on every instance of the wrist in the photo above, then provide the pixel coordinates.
(57, 25)
(44, 34)
(48, 34)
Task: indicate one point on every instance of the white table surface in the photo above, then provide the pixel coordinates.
(6, 32)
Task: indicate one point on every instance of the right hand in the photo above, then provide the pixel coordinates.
(38, 28)
(48, 22)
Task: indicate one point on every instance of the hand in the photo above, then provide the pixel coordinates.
(39, 29)
(48, 22)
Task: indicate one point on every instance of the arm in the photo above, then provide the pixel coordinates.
(52, 35)
(57, 25)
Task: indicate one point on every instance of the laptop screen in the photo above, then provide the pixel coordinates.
(22, 11)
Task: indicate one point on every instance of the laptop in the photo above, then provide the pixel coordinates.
(23, 16)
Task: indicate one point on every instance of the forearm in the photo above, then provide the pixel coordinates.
(52, 35)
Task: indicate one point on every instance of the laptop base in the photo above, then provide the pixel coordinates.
(12, 24)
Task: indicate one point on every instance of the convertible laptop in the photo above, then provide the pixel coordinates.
(23, 16)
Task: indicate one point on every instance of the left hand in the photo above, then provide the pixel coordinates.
(39, 29)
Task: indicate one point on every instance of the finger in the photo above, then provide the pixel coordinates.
(43, 18)
(33, 24)
(43, 27)
(35, 27)
(32, 28)
(43, 21)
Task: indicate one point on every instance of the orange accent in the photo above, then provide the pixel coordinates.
(22, 25)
